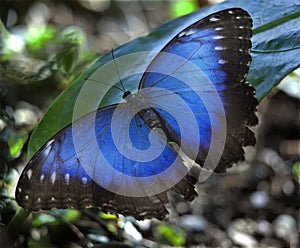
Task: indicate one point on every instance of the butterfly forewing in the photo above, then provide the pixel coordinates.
(217, 57)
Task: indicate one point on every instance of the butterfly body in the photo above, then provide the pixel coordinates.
(192, 99)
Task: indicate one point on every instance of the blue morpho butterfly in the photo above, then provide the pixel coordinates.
(193, 101)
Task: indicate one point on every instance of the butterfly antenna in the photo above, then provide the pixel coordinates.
(122, 88)
(116, 67)
(98, 81)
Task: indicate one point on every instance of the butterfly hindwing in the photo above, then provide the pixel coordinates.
(63, 175)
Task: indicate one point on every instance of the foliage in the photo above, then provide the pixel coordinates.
(171, 235)
(296, 171)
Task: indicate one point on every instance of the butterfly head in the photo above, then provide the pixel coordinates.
(126, 93)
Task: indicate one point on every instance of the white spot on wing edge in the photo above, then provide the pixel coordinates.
(219, 48)
(67, 177)
(187, 33)
(42, 177)
(181, 34)
(222, 61)
(218, 37)
(214, 19)
(190, 32)
(219, 28)
(48, 147)
(29, 174)
(49, 143)
(53, 177)
(84, 180)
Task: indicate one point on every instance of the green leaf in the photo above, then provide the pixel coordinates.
(15, 140)
(66, 57)
(71, 41)
(37, 37)
(108, 216)
(171, 235)
(73, 35)
(42, 219)
(296, 171)
(44, 241)
(68, 214)
(275, 53)
(183, 7)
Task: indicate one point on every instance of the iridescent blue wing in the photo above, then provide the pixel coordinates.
(84, 165)
(92, 162)
(206, 65)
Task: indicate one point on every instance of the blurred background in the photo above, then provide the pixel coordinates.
(45, 45)
(55, 40)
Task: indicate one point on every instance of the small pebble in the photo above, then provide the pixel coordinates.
(259, 199)
(264, 228)
(131, 232)
(143, 224)
(284, 226)
(242, 239)
(192, 222)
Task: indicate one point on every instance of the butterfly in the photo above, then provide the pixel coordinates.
(193, 102)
